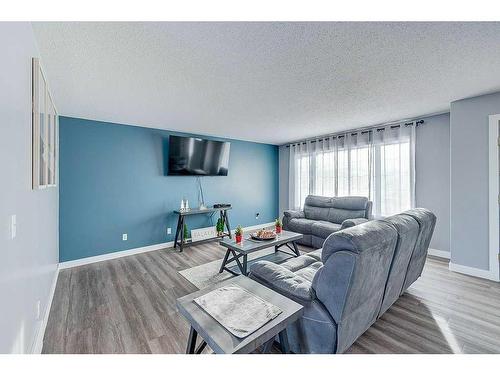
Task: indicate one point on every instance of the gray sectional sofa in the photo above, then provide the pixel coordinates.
(323, 216)
(357, 275)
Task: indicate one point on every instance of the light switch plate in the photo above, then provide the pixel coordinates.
(124, 237)
(169, 230)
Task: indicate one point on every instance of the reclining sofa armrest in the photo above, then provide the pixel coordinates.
(282, 280)
(352, 222)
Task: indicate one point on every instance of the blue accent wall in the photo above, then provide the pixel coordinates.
(113, 181)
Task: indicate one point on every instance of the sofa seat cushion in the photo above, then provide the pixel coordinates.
(282, 280)
(316, 254)
(301, 225)
(295, 264)
(309, 271)
(324, 228)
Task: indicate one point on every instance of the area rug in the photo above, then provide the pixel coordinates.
(208, 274)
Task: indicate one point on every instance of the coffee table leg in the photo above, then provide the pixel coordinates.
(266, 348)
(295, 248)
(285, 349)
(245, 265)
(224, 261)
(191, 346)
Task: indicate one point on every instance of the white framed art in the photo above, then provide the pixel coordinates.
(45, 124)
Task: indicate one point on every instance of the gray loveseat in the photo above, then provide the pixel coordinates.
(323, 216)
(357, 275)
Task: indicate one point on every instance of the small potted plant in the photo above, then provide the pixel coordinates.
(277, 224)
(238, 233)
(220, 227)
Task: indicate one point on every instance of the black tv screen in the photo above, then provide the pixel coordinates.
(188, 156)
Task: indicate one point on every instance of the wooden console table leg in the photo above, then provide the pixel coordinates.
(177, 231)
(181, 245)
(226, 220)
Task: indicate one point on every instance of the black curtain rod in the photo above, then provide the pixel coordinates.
(417, 123)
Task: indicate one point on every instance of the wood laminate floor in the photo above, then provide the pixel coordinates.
(127, 305)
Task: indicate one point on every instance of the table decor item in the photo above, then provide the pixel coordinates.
(278, 226)
(239, 233)
(239, 311)
(264, 235)
(220, 227)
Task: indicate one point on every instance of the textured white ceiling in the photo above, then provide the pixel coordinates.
(266, 82)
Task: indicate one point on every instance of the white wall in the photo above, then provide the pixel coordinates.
(432, 182)
(27, 262)
(432, 175)
(469, 179)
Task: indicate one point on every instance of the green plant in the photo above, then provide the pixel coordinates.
(277, 222)
(220, 226)
(186, 232)
(238, 231)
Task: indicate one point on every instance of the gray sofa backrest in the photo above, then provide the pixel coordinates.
(351, 282)
(426, 221)
(336, 209)
(408, 230)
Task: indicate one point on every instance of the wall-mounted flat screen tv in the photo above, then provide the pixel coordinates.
(189, 156)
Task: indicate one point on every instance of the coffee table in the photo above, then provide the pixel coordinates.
(249, 245)
(220, 340)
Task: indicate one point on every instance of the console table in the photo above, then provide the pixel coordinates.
(179, 232)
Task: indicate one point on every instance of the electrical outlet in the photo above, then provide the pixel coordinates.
(169, 230)
(13, 227)
(124, 237)
(38, 309)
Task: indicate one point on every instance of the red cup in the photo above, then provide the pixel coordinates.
(238, 238)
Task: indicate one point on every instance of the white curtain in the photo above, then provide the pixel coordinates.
(378, 164)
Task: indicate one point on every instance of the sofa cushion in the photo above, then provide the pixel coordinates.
(317, 208)
(301, 225)
(350, 203)
(309, 271)
(295, 264)
(338, 215)
(282, 280)
(316, 213)
(316, 254)
(324, 228)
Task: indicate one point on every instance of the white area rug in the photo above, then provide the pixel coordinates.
(208, 274)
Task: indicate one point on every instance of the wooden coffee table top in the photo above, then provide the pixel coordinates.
(220, 339)
(249, 245)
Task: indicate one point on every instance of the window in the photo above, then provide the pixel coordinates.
(395, 193)
(380, 169)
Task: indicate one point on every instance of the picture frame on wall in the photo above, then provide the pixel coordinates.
(45, 124)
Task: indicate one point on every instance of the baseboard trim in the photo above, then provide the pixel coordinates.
(471, 271)
(137, 250)
(114, 255)
(38, 342)
(439, 253)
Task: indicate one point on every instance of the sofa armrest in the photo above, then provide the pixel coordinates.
(282, 280)
(293, 214)
(352, 222)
